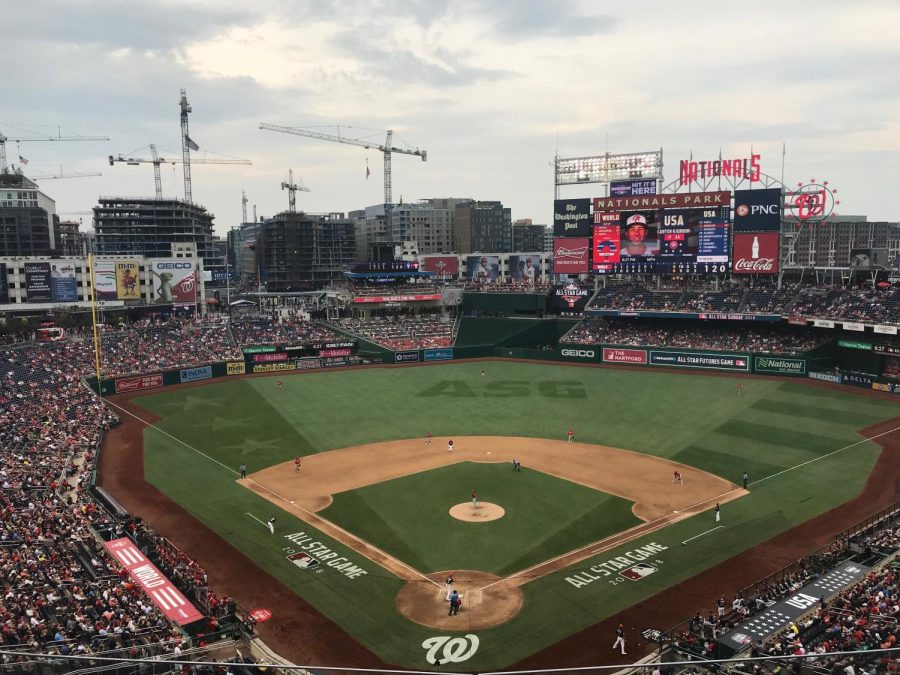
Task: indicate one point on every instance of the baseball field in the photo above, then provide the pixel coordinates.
(375, 518)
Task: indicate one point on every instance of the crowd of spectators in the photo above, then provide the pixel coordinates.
(667, 333)
(425, 331)
(292, 329)
(395, 289)
(865, 304)
(540, 287)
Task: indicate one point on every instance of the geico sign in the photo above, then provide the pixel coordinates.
(580, 353)
(175, 266)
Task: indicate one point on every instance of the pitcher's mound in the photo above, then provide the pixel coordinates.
(485, 512)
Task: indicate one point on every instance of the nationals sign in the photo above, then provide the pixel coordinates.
(755, 253)
(153, 582)
(666, 201)
(570, 255)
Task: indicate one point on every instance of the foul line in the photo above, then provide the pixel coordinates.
(290, 504)
(255, 518)
(717, 527)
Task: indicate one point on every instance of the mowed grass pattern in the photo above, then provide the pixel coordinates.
(545, 517)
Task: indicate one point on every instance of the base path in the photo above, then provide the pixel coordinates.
(643, 479)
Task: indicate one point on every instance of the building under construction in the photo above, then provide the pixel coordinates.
(29, 225)
(153, 228)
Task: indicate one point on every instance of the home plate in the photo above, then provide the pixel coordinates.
(293, 502)
(488, 452)
(672, 511)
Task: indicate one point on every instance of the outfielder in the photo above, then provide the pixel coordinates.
(270, 523)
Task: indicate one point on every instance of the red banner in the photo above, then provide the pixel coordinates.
(154, 583)
(571, 254)
(397, 298)
(755, 253)
(665, 201)
(268, 358)
(442, 265)
(327, 353)
(624, 355)
(126, 384)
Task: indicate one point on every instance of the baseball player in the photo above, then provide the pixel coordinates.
(740, 389)
(279, 386)
(718, 513)
(517, 465)
(450, 446)
(474, 499)
(270, 523)
(297, 464)
(676, 478)
(620, 638)
(746, 479)
(448, 582)
(428, 438)
(243, 469)
(570, 436)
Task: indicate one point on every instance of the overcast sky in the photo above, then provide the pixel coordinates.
(492, 89)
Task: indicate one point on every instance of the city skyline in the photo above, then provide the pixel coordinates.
(492, 90)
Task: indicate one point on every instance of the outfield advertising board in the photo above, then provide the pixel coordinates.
(272, 367)
(857, 380)
(195, 374)
(126, 384)
(235, 368)
(778, 365)
(437, 354)
(704, 360)
(579, 353)
(406, 357)
(308, 364)
(617, 355)
(270, 357)
(329, 353)
(825, 377)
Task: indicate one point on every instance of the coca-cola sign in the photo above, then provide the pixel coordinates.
(570, 255)
(755, 253)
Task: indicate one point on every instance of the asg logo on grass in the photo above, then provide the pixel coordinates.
(446, 649)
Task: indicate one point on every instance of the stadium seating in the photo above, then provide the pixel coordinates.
(402, 332)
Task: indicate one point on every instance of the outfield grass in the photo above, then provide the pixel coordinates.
(787, 435)
(545, 517)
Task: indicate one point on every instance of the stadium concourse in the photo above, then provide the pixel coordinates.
(63, 593)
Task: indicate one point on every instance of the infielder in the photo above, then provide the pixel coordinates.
(450, 447)
(270, 523)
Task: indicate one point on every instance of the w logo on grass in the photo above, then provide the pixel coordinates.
(445, 649)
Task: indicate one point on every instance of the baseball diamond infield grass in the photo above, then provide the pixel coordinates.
(798, 443)
(545, 516)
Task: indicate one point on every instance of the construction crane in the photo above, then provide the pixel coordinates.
(292, 188)
(62, 174)
(186, 145)
(156, 161)
(388, 148)
(244, 206)
(4, 168)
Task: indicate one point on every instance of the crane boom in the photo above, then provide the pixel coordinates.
(292, 188)
(4, 168)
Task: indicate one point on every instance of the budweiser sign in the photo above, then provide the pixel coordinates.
(755, 253)
(570, 255)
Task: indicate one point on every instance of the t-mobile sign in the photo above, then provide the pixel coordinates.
(755, 253)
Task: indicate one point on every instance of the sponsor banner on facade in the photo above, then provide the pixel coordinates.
(858, 327)
(483, 268)
(336, 362)
(857, 379)
(406, 357)
(335, 352)
(442, 265)
(525, 268)
(615, 355)
(272, 367)
(725, 316)
(772, 620)
(580, 353)
(823, 323)
(705, 360)
(755, 253)
(666, 201)
(779, 366)
(886, 330)
(127, 280)
(825, 377)
(194, 374)
(570, 298)
(125, 384)
(308, 364)
(4, 285)
(270, 357)
(368, 299)
(572, 218)
(855, 344)
(571, 255)
(104, 280)
(757, 210)
(626, 188)
(37, 282)
(797, 320)
(174, 281)
(62, 281)
(154, 583)
(437, 354)
(258, 349)
(235, 368)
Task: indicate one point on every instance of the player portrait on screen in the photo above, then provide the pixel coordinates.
(639, 236)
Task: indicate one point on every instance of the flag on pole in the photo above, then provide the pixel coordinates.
(23, 160)
(193, 146)
(368, 173)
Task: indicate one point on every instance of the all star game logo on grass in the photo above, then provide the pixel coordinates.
(307, 553)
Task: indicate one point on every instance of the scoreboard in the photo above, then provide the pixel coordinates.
(667, 241)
